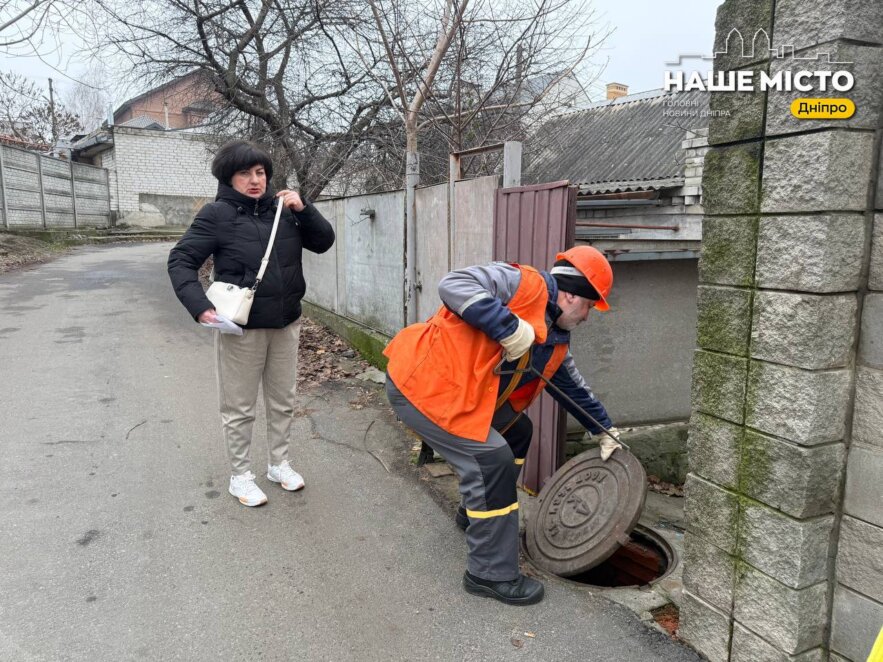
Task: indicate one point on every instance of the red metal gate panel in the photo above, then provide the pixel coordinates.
(531, 225)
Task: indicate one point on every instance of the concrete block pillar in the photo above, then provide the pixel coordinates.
(785, 492)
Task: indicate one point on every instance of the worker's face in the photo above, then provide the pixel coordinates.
(574, 309)
(251, 181)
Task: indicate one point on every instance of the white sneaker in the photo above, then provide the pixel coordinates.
(286, 476)
(243, 488)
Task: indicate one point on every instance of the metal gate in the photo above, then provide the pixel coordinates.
(531, 225)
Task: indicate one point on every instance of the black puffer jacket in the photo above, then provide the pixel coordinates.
(236, 230)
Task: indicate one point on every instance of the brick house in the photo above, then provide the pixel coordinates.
(157, 159)
(178, 104)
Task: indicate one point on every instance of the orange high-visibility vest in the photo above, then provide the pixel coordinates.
(444, 366)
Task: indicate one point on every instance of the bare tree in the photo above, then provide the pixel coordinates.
(27, 114)
(326, 82)
(39, 27)
(274, 61)
(89, 100)
(22, 21)
(509, 66)
(467, 71)
(419, 68)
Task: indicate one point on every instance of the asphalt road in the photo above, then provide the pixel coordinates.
(119, 541)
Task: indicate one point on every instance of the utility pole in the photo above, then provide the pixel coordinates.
(52, 114)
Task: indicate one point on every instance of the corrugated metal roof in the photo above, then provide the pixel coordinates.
(587, 188)
(620, 145)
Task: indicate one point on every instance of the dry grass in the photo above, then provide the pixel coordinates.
(20, 251)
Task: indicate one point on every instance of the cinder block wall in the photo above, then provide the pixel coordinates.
(787, 380)
(106, 160)
(163, 163)
(858, 592)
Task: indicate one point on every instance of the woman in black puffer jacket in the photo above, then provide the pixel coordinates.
(235, 229)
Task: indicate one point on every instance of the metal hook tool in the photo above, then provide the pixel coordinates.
(498, 370)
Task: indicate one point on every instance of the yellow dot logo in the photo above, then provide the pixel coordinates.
(822, 109)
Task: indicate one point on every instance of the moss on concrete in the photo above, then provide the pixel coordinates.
(747, 17)
(738, 115)
(719, 385)
(755, 467)
(662, 449)
(714, 449)
(724, 319)
(730, 179)
(368, 342)
(751, 391)
(728, 250)
(742, 569)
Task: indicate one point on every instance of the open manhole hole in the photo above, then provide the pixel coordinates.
(645, 558)
(585, 528)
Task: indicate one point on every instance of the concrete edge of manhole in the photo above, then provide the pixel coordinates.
(640, 600)
(671, 556)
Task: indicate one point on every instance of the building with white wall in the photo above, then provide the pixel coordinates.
(157, 177)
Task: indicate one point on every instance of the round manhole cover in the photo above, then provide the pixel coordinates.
(586, 511)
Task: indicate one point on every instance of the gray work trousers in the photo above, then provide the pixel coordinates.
(259, 357)
(488, 474)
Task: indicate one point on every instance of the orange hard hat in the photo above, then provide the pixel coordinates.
(591, 264)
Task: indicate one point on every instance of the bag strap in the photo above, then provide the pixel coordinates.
(266, 259)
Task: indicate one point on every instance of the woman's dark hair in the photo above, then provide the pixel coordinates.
(239, 155)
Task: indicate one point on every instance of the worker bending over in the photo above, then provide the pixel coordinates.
(443, 382)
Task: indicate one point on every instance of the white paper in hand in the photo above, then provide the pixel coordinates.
(224, 325)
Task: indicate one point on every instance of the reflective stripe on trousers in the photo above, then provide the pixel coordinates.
(487, 485)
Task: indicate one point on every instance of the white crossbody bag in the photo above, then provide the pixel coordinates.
(234, 302)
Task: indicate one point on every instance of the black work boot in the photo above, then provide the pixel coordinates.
(520, 591)
(461, 518)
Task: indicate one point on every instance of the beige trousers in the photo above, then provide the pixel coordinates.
(266, 357)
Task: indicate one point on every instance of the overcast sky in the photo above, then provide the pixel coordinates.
(647, 33)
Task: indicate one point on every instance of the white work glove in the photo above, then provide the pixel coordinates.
(519, 342)
(608, 445)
